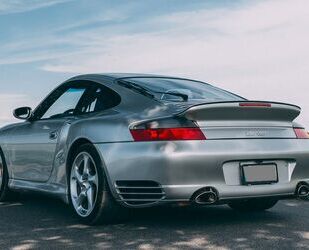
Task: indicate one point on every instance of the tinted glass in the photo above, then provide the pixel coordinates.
(166, 89)
(100, 98)
(65, 104)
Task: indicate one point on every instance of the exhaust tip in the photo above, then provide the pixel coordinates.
(206, 196)
(303, 191)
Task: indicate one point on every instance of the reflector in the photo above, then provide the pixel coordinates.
(301, 133)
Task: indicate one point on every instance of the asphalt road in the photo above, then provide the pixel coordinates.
(36, 222)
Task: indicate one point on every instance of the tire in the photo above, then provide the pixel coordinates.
(253, 205)
(89, 193)
(5, 193)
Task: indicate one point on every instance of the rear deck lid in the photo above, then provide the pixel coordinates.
(244, 119)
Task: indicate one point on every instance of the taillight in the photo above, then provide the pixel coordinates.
(255, 104)
(167, 134)
(301, 133)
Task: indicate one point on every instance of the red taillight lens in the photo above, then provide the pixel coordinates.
(167, 134)
(255, 104)
(301, 133)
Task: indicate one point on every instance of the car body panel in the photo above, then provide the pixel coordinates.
(37, 163)
(184, 167)
(32, 151)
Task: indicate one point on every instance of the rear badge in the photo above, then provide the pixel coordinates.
(256, 133)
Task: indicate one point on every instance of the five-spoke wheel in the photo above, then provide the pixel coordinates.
(84, 183)
(89, 193)
(1, 172)
(5, 193)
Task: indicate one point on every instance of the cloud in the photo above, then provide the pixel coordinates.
(17, 6)
(68, 40)
(259, 50)
(211, 38)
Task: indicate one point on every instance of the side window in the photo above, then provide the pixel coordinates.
(65, 104)
(98, 99)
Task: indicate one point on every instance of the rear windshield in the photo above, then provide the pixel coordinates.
(179, 90)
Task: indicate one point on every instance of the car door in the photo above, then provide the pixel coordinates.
(33, 143)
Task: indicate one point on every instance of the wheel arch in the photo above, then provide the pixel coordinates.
(73, 148)
(3, 160)
(70, 158)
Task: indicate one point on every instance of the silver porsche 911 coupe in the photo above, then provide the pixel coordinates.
(103, 142)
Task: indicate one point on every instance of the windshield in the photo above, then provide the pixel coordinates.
(178, 90)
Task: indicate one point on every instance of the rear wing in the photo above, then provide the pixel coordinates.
(243, 113)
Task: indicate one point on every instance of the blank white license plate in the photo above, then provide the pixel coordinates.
(259, 174)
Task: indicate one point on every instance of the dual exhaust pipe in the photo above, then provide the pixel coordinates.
(209, 195)
(302, 191)
(206, 196)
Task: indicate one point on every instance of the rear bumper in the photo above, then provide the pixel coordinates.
(184, 167)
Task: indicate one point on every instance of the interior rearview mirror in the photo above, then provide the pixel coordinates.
(22, 113)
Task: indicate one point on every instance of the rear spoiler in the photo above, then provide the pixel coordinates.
(258, 112)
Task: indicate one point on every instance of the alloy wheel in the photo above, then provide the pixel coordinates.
(1, 173)
(84, 184)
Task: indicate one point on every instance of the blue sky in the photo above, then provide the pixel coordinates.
(256, 48)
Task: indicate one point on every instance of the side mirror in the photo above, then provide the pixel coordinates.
(22, 113)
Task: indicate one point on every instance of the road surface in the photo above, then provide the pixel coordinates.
(38, 222)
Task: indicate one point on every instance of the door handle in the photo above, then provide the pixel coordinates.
(53, 135)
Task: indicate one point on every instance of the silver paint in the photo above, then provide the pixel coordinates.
(39, 163)
(184, 167)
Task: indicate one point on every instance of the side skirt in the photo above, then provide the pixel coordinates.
(44, 188)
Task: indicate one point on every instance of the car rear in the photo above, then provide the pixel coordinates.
(211, 153)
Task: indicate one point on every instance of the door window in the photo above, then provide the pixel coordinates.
(76, 98)
(65, 104)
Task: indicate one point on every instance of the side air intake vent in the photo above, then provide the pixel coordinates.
(139, 192)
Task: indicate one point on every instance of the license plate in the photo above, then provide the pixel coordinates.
(259, 174)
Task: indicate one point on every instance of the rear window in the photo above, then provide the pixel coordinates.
(179, 90)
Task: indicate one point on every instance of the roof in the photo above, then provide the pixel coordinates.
(116, 76)
(123, 75)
